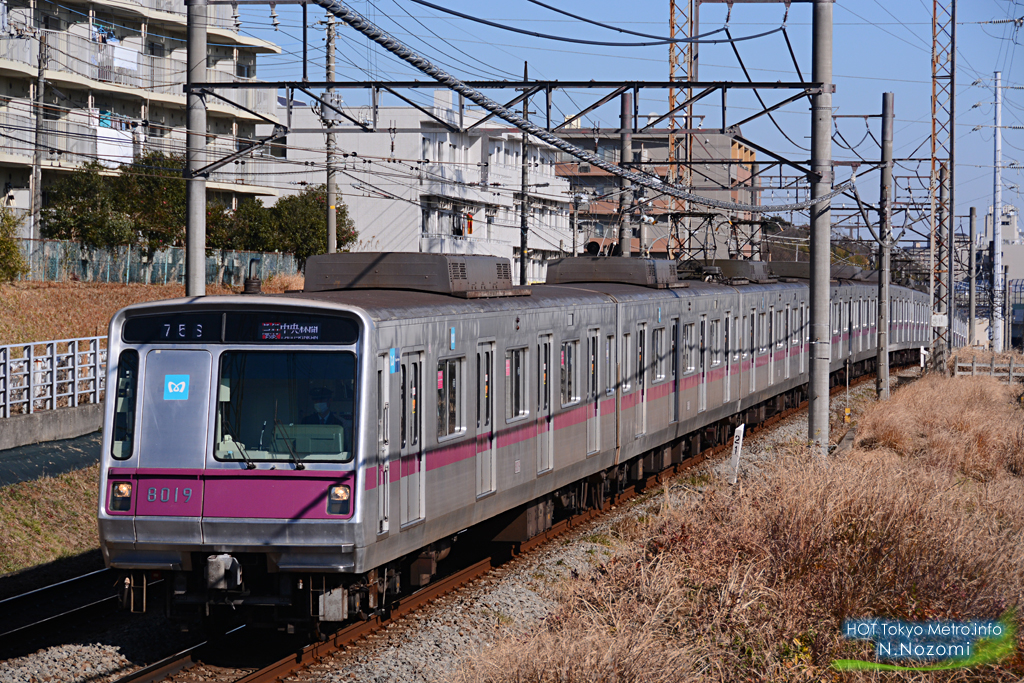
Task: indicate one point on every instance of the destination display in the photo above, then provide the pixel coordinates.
(195, 328)
(289, 328)
(261, 327)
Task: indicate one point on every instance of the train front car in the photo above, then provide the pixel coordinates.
(230, 483)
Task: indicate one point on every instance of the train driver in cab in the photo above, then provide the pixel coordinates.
(322, 413)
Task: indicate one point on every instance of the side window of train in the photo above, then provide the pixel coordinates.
(737, 336)
(569, 365)
(762, 333)
(673, 343)
(780, 328)
(609, 364)
(689, 348)
(123, 441)
(449, 397)
(658, 340)
(515, 384)
(715, 342)
(627, 354)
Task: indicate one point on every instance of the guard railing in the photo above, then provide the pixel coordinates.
(1004, 372)
(45, 375)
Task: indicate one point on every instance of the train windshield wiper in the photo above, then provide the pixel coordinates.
(249, 464)
(288, 444)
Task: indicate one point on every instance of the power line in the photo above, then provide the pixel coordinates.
(697, 39)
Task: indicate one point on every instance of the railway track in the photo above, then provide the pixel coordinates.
(57, 607)
(206, 661)
(306, 662)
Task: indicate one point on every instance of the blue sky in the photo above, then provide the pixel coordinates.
(879, 46)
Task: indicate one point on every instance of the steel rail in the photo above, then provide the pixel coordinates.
(346, 637)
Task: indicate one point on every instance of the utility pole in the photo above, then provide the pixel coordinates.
(626, 152)
(884, 247)
(195, 154)
(524, 202)
(575, 221)
(997, 224)
(1007, 308)
(972, 279)
(821, 226)
(332, 180)
(37, 153)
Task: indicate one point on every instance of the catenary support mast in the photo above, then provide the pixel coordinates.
(884, 248)
(821, 219)
(332, 178)
(195, 152)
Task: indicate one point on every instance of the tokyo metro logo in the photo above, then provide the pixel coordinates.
(175, 387)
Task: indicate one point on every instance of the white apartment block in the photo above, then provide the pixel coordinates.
(1010, 225)
(418, 186)
(114, 71)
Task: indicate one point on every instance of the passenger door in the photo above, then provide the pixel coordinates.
(593, 397)
(753, 350)
(486, 474)
(727, 380)
(383, 445)
(410, 438)
(641, 379)
(702, 352)
(545, 425)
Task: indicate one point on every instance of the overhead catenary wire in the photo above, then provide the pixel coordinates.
(367, 28)
(702, 39)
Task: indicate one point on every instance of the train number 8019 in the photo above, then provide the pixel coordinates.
(165, 495)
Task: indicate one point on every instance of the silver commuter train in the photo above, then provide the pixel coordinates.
(288, 457)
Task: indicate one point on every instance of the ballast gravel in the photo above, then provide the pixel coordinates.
(424, 647)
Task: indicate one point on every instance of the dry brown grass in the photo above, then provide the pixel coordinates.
(754, 583)
(47, 519)
(277, 284)
(40, 311)
(970, 425)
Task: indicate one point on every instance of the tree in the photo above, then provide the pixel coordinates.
(151, 192)
(12, 263)
(254, 228)
(302, 223)
(82, 208)
(144, 205)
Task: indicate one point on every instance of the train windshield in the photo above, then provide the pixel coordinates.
(286, 406)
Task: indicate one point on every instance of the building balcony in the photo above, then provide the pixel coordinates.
(124, 68)
(541, 184)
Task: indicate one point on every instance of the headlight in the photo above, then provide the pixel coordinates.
(121, 496)
(338, 499)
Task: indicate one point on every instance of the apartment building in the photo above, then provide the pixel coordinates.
(114, 71)
(422, 186)
(722, 169)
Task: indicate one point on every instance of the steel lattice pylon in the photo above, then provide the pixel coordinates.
(682, 65)
(943, 148)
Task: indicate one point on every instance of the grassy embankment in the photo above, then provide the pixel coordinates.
(55, 517)
(922, 520)
(38, 311)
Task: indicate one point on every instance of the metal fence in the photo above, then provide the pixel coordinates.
(1004, 372)
(56, 260)
(51, 374)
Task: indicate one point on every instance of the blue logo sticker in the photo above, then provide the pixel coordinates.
(453, 339)
(393, 361)
(175, 387)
